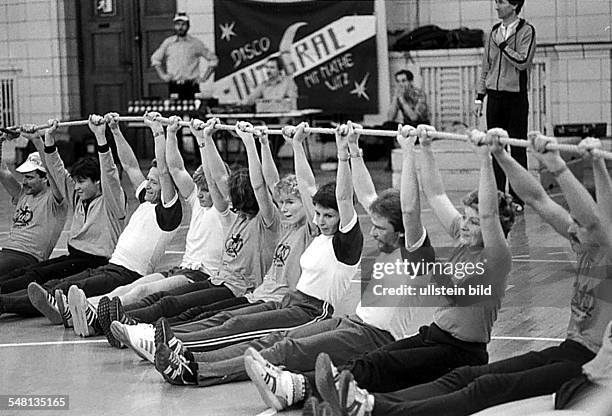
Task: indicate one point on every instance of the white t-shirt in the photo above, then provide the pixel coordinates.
(145, 238)
(204, 242)
(330, 262)
(400, 316)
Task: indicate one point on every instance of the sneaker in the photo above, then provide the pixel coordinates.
(354, 401)
(164, 335)
(140, 338)
(104, 307)
(84, 315)
(312, 407)
(117, 313)
(175, 367)
(253, 353)
(279, 389)
(326, 375)
(62, 305)
(44, 301)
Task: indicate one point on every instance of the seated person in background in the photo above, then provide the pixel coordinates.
(40, 212)
(99, 210)
(276, 85)
(408, 101)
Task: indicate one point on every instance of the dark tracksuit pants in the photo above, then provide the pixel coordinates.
(198, 313)
(467, 390)
(173, 302)
(11, 260)
(56, 268)
(509, 111)
(415, 360)
(93, 282)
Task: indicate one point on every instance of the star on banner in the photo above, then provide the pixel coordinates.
(227, 31)
(360, 88)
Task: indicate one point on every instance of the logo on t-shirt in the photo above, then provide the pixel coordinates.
(233, 245)
(583, 303)
(280, 255)
(23, 216)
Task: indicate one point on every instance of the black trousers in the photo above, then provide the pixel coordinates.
(185, 91)
(55, 268)
(509, 111)
(93, 282)
(414, 360)
(179, 300)
(467, 390)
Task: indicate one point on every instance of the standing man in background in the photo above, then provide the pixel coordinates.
(506, 64)
(177, 60)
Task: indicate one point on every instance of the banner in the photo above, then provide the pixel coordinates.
(328, 47)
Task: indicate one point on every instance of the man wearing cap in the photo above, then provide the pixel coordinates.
(39, 216)
(177, 60)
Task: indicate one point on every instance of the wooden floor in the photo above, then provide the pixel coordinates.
(37, 358)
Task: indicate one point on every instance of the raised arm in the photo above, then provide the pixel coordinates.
(362, 181)
(409, 190)
(126, 154)
(582, 206)
(528, 188)
(7, 179)
(303, 173)
(38, 142)
(168, 190)
(488, 209)
(203, 133)
(110, 183)
(213, 158)
(55, 166)
(263, 196)
(268, 167)
(431, 181)
(603, 183)
(344, 185)
(175, 162)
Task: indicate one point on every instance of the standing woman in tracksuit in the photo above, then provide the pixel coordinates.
(506, 64)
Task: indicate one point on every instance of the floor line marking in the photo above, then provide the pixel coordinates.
(527, 339)
(36, 344)
(102, 341)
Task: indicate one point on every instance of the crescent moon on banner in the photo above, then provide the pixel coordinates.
(284, 47)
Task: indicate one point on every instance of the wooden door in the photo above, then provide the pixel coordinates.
(109, 65)
(155, 18)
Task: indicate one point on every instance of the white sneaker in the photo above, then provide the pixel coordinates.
(279, 389)
(140, 338)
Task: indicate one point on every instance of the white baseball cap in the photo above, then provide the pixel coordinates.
(181, 17)
(33, 162)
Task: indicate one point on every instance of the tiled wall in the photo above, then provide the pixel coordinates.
(35, 43)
